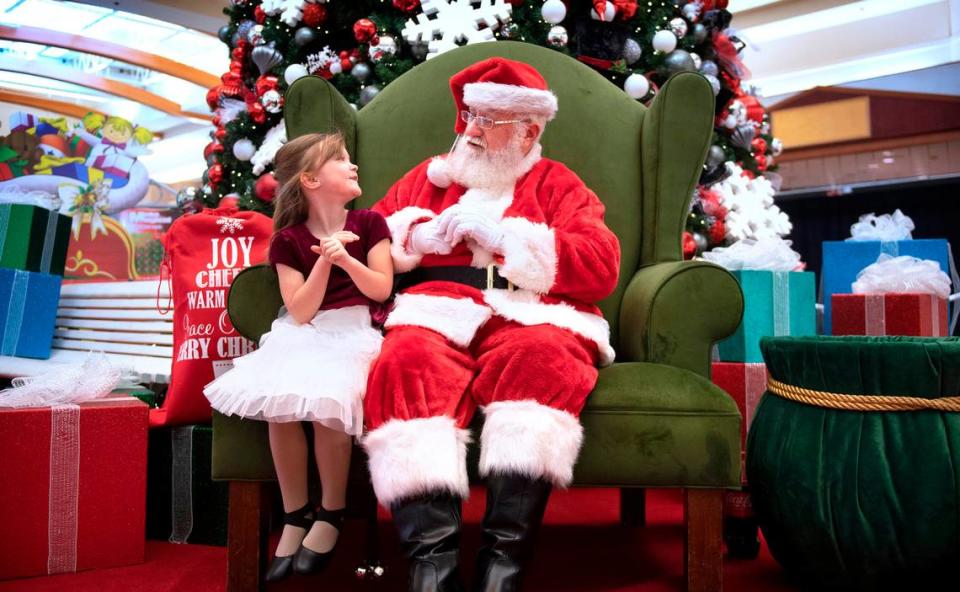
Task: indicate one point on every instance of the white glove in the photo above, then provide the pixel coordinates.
(426, 239)
(481, 229)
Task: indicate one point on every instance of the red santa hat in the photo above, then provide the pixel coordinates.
(502, 85)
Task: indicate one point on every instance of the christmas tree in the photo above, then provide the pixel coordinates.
(361, 46)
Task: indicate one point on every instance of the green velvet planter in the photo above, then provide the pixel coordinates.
(856, 500)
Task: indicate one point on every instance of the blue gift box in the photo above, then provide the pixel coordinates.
(775, 303)
(28, 312)
(118, 181)
(843, 260)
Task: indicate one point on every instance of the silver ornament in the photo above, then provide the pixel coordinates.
(678, 60)
(699, 33)
(742, 136)
(696, 60)
(224, 34)
(272, 101)
(368, 93)
(776, 146)
(709, 68)
(632, 51)
(679, 27)
(386, 47)
(361, 71)
(265, 57)
(304, 36)
(691, 11)
(242, 30)
(509, 31)
(419, 50)
(255, 35)
(714, 83)
(188, 201)
(715, 157)
(701, 242)
(557, 36)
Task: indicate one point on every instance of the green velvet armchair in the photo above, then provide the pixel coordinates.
(655, 419)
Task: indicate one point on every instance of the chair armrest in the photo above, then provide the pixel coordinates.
(673, 312)
(313, 105)
(254, 301)
(676, 134)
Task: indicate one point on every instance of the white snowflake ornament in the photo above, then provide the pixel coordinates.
(275, 138)
(751, 212)
(230, 225)
(444, 23)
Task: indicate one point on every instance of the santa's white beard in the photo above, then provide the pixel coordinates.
(475, 168)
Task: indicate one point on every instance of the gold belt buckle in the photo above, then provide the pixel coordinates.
(491, 277)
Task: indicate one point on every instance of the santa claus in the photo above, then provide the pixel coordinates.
(503, 255)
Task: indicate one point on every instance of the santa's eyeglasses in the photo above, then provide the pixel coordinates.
(485, 122)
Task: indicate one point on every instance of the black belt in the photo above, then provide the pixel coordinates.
(481, 279)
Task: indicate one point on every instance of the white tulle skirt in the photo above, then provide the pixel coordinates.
(314, 371)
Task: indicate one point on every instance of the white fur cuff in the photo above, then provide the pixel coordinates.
(527, 438)
(529, 254)
(418, 456)
(510, 97)
(399, 224)
(457, 319)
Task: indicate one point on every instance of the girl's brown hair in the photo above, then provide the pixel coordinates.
(300, 155)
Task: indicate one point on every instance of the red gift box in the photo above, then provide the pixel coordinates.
(746, 383)
(73, 493)
(921, 315)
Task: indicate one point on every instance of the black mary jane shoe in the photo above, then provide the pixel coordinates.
(306, 561)
(282, 567)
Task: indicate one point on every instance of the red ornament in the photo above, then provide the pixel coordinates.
(314, 15)
(364, 30)
(759, 146)
(513, 2)
(626, 9)
(232, 85)
(375, 40)
(346, 64)
(689, 246)
(230, 200)
(237, 53)
(213, 97)
(220, 134)
(718, 233)
(409, 6)
(265, 83)
(344, 54)
(761, 162)
(266, 187)
(215, 174)
(212, 148)
(257, 113)
(216, 121)
(259, 15)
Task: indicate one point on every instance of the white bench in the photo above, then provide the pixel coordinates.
(117, 318)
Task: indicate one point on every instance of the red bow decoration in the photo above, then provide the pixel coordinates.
(728, 56)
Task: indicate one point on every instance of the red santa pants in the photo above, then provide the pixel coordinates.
(531, 381)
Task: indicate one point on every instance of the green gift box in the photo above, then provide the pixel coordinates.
(33, 238)
(775, 303)
(140, 392)
(184, 505)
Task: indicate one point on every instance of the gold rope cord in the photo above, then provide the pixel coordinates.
(860, 402)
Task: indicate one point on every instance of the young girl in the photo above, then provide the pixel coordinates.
(333, 266)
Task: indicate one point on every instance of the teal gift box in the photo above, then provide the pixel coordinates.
(28, 312)
(775, 303)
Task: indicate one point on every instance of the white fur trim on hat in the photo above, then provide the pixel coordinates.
(529, 254)
(438, 172)
(417, 456)
(457, 319)
(399, 224)
(510, 97)
(527, 438)
(525, 307)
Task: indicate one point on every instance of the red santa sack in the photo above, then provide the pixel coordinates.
(203, 253)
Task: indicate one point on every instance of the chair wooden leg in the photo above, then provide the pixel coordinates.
(633, 506)
(703, 543)
(246, 536)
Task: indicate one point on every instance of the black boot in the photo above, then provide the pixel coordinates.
(515, 506)
(281, 567)
(429, 529)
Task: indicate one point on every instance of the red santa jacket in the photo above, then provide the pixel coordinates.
(557, 251)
